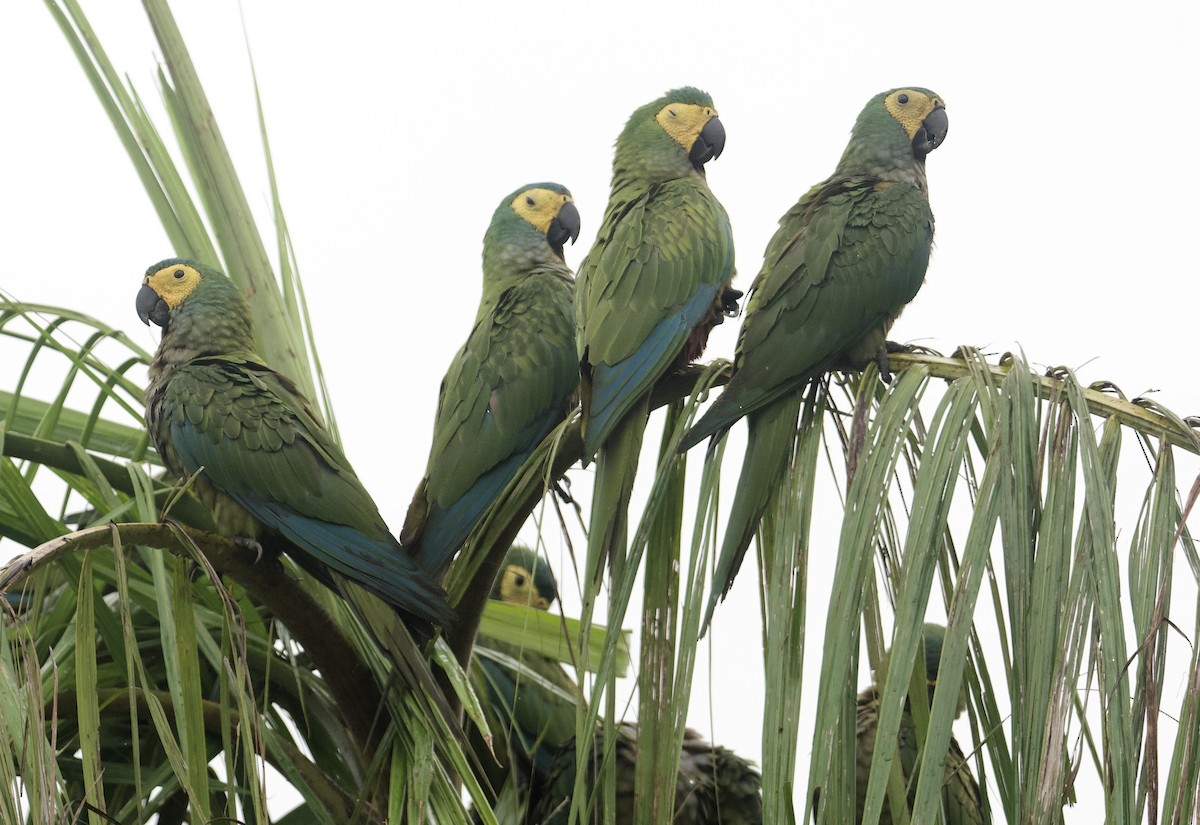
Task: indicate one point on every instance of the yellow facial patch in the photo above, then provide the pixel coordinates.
(517, 587)
(911, 108)
(539, 207)
(683, 121)
(174, 283)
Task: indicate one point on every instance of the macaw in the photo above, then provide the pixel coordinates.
(514, 379)
(962, 801)
(714, 786)
(257, 454)
(653, 284)
(843, 264)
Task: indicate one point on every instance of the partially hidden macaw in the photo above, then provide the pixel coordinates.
(714, 785)
(514, 379)
(531, 709)
(962, 801)
(843, 264)
(259, 456)
(653, 284)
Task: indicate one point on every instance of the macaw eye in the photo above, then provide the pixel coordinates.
(178, 273)
(519, 580)
(671, 112)
(529, 200)
(902, 99)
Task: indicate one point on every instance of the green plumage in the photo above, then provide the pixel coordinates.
(532, 709)
(962, 801)
(714, 786)
(514, 379)
(260, 456)
(651, 287)
(839, 270)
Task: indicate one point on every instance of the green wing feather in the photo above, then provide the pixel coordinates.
(652, 276)
(509, 385)
(252, 437)
(488, 402)
(843, 263)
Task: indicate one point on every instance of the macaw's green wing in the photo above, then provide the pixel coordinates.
(962, 800)
(843, 261)
(251, 436)
(508, 387)
(652, 277)
(534, 703)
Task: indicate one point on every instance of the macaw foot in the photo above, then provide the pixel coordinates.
(251, 545)
(729, 301)
(881, 361)
(562, 490)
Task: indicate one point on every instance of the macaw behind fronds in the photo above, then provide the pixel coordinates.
(962, 801)
(714, 785)
(259, 455)
(843, 264)
(513, 380)
(654, 283)
(531, 710)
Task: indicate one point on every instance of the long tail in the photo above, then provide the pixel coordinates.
(772, 432)
(616, 467)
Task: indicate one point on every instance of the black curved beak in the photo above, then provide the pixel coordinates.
(150, 307)
(564, 226)
(931, 134)
(709, 143)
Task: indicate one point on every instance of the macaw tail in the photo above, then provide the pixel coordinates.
(770, 445)
(616, 467)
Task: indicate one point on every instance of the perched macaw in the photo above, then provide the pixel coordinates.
(533, 711)
(513, 380)
(714, 786)
(962, 801)
(260, 457)
(654, 283)
(843, 264)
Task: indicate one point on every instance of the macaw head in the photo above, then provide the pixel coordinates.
(530, 225)
(184, 296)
(525, 578)
(896, 129)
(671, 138)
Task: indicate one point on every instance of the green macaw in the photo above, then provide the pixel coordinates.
(654, 283)
(259, 456)
(714, 786)
(531, 709)
(513, 380)
(843, 264)
(962, 801)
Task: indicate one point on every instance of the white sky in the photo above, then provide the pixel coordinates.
(1064, 194)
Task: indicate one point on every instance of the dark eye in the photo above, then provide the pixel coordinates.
(179, 273)
(519, 580)
(902, 99)
(529, 200)
(671, 112)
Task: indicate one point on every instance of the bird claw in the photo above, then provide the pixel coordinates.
(252, 545)
(881, 361)
(562, 490)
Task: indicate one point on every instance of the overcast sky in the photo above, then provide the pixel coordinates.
(1065, 193)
